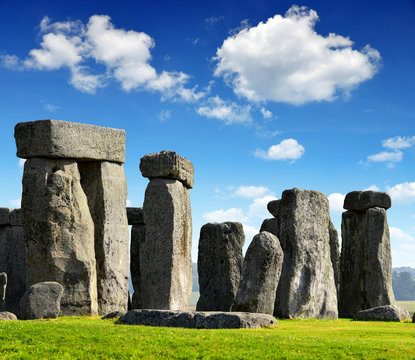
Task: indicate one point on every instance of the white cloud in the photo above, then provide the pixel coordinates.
(164, 115)
(124, 54)
(288, 149)
(385, 156)
(266, 113)
(372, 188)
(51, 107)
(403, 240)
(21, 163)
(398, 142)
(403, 193)
(226, 111)
(264, 62)
(16, 203)
(251, 192)
(259, 207)
(250, 232)
(213, 20)
(336, 201)
(233, 214)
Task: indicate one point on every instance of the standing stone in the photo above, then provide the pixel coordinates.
(41, 301)
(5, 215)
(366, 262)
(138, 233)
(260, 275)
(273, 207)
(3, 286)
(165, 256)
(59, 232)
(106, 189)
(307, 288)
(219, 265)
(335, 255)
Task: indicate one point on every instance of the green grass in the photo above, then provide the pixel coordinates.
(408, 305)
(80, 338)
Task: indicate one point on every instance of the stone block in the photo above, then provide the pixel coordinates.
(135, 215)
(68, 140)
(3, 286)
(364, 200)
(6, 315)
(167, 164)
(138, 233)
(5, 214)
(16, 217)
(271, 226)
(273, 207)
(335, 255)
(383, 313)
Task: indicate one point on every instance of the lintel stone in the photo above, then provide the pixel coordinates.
(69, 140)
(5, 215)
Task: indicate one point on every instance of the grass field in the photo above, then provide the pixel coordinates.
(409, 305)
(80, 338)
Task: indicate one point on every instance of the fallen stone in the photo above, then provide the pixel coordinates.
(273, 207)
(197, 320)
(364, 200)
(382, 313)
(167, 164)
(113, 315)
(16, 217)
(260, 275)
(219, 265)
(335, 255)
(64, 139)
(166, 275)
(3, 286)
(59, 233)
(307, 269)
(41, 301)
(138, 233)
(366, 262)
(135, 215)
(5, 215)
(105, 186)
(5, 315)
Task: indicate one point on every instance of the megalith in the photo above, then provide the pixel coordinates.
(3, 286)
(74, 215)
(261, 273)
(166, 273)
(307, 286)
(366, 260)
(12, 257)
(219, 265)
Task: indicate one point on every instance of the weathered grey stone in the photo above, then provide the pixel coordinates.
(13, 263)
(271, 226)
(219, 265)
(165, 257)
(59, 232)
(364, 200)
(105, 186)
(138, 233)
(5, 215)
(16, 217)
(273, 207)
(113, 315)
(260, 275)
(383, 313)
(335, 255)
(135, 215)
(366, 262)
(167, 164)
(198, 320)
(413, 318)
(64, 139)
(41, 301)
(3, 286)
(306, 288)
(5, 315)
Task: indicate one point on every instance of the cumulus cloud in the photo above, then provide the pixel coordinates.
(227, 111)
(251, 191)
(336, 201)
(21, 163)
(398, 142)
(403, 193)
(250, 232)
(125, 56)
(386, 156)
(264, 63)
(372, 188)
(266, 113)
(259, 207)
(232, 214)
(288, 149)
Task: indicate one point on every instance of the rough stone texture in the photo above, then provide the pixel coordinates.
(135, 215)
(63, 139)
(273, 207)
(270, 225)
(307, 288)
(166, 274)
(138, 233)
(16, 217)
(364, 200)
(366, 262)
(3, 286)
(59, 232)
(5, 315)
(413, 318)
(113, 315)
(41, 301)
(167, 164)
(198, 320)
(13, 263)
(383, 313)
(219, 265)
(106, 189)
(261, 272)
(5, 214)
(335, 255)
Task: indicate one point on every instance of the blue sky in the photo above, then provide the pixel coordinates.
(260, 96)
